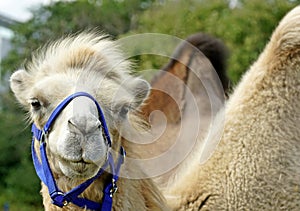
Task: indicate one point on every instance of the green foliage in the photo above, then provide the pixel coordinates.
(66, 17)
(11, 143)
(22, 182)
(245, 29)
(19, 184)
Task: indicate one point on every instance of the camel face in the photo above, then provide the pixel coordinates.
(76, 139)
(75, 143)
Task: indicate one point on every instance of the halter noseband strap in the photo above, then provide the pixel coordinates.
(45, 174)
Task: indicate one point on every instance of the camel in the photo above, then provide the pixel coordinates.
(88, 74)
(81, 53)
(256, 164)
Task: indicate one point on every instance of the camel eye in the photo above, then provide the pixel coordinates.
(124, 110)
(35, 104)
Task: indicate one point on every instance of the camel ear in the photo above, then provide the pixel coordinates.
(129, 96)
(19, 84)
(140, 92)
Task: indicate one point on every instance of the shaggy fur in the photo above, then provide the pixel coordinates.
(86, 62)
(256, 165)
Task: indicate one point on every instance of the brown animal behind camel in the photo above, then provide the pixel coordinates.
(190, 71)
(212, 48)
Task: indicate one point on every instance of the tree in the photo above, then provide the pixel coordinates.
(16, 170)
(245, 29)
(66, 17)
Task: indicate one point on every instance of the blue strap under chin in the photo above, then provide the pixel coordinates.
(44, 172)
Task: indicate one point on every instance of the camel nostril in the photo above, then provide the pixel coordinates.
(84, 124)
(72, 122)
(72, 125)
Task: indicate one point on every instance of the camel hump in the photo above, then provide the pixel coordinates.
(285, 40)
(198, 63)
(215, 50)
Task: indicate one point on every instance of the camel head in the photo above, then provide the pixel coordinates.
(88, 63)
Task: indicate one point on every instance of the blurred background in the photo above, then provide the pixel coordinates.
(243, 25)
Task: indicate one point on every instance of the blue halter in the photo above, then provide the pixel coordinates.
(44, 172)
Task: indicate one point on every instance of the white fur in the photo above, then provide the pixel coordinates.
(256, 166)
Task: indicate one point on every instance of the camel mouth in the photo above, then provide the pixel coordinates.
(80, 166)
(81, 161)
(78, 169)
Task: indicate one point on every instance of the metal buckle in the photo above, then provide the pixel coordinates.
(58, 198)
(43, 136)
(113, 189)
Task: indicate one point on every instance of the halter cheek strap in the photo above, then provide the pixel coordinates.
(44, 172)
